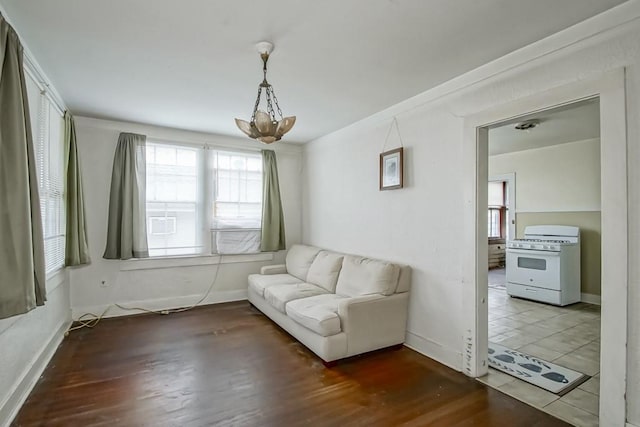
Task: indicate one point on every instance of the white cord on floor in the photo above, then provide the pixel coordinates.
(94, 319)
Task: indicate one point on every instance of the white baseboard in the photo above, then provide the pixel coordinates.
(631, 425)
(158, 304)
(435, 351)
(590, 298)
(29, 378)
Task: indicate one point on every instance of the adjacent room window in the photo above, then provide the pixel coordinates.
(494, 223)
(202, 201)
(498, 213)
(47, 126)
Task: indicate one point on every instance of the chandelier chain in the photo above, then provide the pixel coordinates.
(275, 99)
(255, 107)
(268, 93)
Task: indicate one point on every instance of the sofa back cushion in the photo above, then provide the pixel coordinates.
(365, 276)
(299, 259)
(404, 280)
(325, 269)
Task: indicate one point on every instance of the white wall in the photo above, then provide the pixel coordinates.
(162, 284)
(422, 224)
(558, 178)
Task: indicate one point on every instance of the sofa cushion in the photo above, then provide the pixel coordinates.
(279, 295)
(319, 313)
(299, 259)
(365, 276)
(259, 282)
(404, 279)
(325, 269)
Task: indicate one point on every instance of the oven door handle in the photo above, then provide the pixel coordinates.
(533, 252)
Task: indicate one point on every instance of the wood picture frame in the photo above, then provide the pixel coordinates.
(392, 169)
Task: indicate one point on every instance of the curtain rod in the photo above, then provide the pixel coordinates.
(33, 68)
(220, 146)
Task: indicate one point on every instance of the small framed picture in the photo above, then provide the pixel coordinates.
(391, 169)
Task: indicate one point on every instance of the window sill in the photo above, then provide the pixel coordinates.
(192, 261)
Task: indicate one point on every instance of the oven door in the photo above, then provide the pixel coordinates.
(534, 268)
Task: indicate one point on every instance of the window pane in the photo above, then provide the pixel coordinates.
(165, 156)
(496, 193)
(494, 223)
(238, 186)
(186, 158)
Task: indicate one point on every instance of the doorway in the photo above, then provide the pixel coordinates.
(610, 91)
(544, 338)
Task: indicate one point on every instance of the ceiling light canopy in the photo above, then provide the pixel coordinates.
(265, 126)
(527, 124)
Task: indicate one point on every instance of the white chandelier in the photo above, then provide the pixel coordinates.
(265, 126)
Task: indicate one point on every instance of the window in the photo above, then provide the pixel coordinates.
(238, 189)
(237, 202)
(202, 200)
(494, 223)
(174, 203)
(498, 213)
(47, 125)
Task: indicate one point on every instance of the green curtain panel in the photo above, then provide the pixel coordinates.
(273, 238)
(76, 249)
(22, 277)
(127, 225)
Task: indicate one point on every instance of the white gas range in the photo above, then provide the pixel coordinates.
(545, 265)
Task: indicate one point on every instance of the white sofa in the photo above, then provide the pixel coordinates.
(337, 305)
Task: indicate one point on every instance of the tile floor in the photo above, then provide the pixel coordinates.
(568, 336)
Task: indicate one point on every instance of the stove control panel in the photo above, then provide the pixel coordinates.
(537, 246)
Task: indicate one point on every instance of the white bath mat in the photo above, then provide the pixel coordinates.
(547, 375)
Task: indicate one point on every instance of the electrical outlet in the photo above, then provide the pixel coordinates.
(104, 283)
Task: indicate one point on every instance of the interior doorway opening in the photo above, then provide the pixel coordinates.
(543, 257)
(610, 89)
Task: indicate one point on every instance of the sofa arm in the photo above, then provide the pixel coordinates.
(273, 269)
(374, 321)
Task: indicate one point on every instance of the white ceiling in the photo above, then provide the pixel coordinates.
(191, 64)
(570, 123)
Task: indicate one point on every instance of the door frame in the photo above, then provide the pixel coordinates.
(610, 89)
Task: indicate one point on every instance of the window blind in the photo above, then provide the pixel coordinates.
(47, 130)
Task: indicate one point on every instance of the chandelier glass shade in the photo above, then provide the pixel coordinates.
(266, 126)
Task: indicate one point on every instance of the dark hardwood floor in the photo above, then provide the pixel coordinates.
(228, 364)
